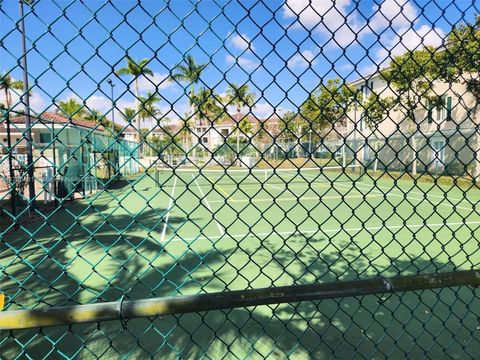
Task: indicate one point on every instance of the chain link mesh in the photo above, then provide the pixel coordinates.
(153, 149)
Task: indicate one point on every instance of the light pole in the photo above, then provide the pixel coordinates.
(25, 99)
(112, 85)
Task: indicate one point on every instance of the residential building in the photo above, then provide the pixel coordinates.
(443, 133)
(61, 145)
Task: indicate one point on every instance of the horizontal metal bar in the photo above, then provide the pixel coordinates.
(67, 315)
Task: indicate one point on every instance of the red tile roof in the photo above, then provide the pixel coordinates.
(50, 117)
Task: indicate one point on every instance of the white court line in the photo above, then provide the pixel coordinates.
(220, 228)
(407, 195)
(376, 187)
(277, 199)
(325, 231)
(164, 231)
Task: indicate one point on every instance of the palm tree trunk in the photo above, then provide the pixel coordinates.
(7, 96)
(238, 137)
(192, 134)
(137, 106)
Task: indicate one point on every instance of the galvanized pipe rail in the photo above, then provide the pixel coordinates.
(128, 309)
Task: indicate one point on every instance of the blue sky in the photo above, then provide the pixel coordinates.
(282, 49)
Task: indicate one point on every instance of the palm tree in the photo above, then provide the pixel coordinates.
(6, 84)
(239, 96)
(128, 114)
(71, 108)
(95, 116)
(136, 70)
(208, 108)
(189, 73)
(147, 108)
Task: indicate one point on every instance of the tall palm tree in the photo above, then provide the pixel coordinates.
(128, 114)
(95, 116)
(147, 108)
(208, 107)
(71, 108)
(239, 96)
(136, 70)
(189, 73)
(7, 84)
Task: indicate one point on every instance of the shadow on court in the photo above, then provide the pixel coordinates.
(438, 322)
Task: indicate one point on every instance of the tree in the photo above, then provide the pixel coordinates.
(240, 96)
(136, 70)
(128, 114)
(7, 83)
(147, 108)
(189, 73)
(411, 76)
(208, 108)
(95, 116)
(71, 108)
(328, 104)
(293, 127)
(460, 62)
(376, 110)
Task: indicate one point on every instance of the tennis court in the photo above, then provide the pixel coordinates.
(190, 231)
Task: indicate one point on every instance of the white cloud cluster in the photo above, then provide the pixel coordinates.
(242, 61)
(397, 21)
(37, 102)
(302, 59)
(399, 13)
(329, 17)
(409, 39)
(263, 110)
(241, 42)
(158, 81)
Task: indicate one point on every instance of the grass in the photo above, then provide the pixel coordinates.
(189, 236)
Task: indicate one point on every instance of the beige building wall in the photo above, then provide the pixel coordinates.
(443, 144)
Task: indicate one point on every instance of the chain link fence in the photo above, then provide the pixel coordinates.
(239, 179)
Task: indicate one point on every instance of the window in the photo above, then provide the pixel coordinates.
(4, 140)
(438, 152)
(45, 138)
(224, 132)
(440, 112)
(205, 140)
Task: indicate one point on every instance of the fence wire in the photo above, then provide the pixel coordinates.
(239, 179)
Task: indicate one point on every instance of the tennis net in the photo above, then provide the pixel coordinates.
(165, 177)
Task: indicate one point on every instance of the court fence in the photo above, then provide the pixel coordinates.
(240, 179)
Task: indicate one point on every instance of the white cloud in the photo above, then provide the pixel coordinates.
(98, 102)
(37, 102)
(329, 17)
(242, 61)
(302, 59)
(398, 13)
(152, 83)
(345, 67)
(310, 13)
(409, 39)
(241, 42)
(368, 70)
(264, 110)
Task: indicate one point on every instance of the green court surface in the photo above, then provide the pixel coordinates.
(185, 233)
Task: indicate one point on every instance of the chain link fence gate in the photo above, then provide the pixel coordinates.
(239, 179)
